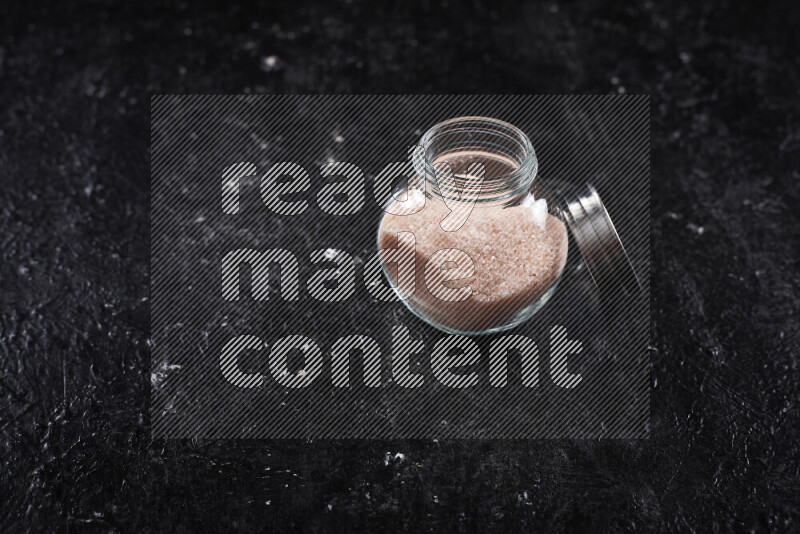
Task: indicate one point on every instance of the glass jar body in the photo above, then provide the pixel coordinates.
(470, 244)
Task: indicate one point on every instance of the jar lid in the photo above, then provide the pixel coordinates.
(598, 241)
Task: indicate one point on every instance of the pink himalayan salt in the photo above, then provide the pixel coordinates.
(516, 260)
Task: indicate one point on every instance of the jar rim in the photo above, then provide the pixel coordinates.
(500, 188)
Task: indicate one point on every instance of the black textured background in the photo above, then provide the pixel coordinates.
(75, 82)
(581, 138)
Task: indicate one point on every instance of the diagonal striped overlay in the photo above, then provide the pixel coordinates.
(293, 355)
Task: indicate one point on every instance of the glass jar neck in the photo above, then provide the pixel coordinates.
(469, 144)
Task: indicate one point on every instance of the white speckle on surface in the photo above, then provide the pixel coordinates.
(695, 228)
(330, 507)
(338, 138)
(330, 253)
(157, 377)
(269, 63)
(397, 457)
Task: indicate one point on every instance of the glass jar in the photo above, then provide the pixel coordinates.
(473, 243)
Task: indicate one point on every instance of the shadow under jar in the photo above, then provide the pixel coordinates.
(473, 244)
